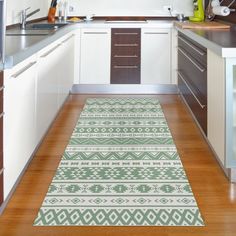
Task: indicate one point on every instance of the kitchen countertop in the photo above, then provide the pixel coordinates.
(18, 48)
(220, 41)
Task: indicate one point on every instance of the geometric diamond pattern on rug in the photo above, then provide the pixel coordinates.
(120, 168)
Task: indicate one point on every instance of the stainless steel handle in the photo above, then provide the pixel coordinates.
(50, 51)
(125, 33)
(1, 171)
(125, 67)
(126, 56)
(156, 33)
(126, 45)
(95, 32)
(66, 40)
(1, 115)
(200, 104)
(191, 60)
(2, 88)
(17, 74)
(190, 45)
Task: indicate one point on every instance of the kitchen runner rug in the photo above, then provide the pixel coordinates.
(120, 168)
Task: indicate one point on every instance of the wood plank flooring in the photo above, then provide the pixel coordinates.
(216, 197)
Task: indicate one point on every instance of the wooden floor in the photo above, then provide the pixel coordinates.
(216, 197)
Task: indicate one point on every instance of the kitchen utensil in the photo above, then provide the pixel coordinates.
(201, 25)
(180, 17)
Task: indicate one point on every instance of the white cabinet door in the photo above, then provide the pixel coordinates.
(95, 56)
(216, 104)
(49, 69)
(66, 76)
(156, 56)
(19, 119)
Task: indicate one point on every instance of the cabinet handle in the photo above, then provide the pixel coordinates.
(156, 33)
(2, 88)
(126, 45)
(200, 104)
(1, 115)
(191, 60)
(1, 171)
(50, 51)
(125, 67)
(126, 56)
(17, 74)
(72, 36)
(95, 32)
(125, 33)
(190, 45)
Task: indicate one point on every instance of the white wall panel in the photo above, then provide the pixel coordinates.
(128, 7)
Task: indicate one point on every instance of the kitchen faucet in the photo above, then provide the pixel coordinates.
(24, 16)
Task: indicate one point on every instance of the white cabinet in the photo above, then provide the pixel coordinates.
(19, 119)
(95, 56)
(216, 104)
(155, 56)
(49, 68)
(66, 70)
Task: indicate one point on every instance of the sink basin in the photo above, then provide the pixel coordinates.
(36, 29)
(45, 26)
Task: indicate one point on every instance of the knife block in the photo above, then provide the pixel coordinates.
(51, 14)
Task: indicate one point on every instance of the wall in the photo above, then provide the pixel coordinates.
(129, 7)
(15, 6)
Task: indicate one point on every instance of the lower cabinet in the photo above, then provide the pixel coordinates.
(19, 119)
(1, 137)
(156, 56)
(192, 78)
(95, 56)
(34, 92)
(55, 79)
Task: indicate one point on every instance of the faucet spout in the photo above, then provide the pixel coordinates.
(24, 16)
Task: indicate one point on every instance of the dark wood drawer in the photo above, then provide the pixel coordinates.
(125, 36)
(194, 49)
(194, 73)
(125, 75)
(199, 110)
(126, 51)
(125, 60)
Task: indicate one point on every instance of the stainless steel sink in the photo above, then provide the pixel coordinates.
(36, 29)
(126, 21)
(45, 26)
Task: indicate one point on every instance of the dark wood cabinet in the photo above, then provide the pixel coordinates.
(192, 77)
(1, 137)
(125, 55)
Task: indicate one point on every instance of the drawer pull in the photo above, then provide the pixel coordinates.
(95, 33)
(2, 88)
(200, 104)
(191, 60)
(190, 45)
(126, 56)
(1, 171)
(50, 51)
(1, 115)
(16, 75)
(72, 36)
(125, 33)
(156, 33)
(126, 45)
(125, 67)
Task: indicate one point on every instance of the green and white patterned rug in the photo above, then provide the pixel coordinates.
(120, 168)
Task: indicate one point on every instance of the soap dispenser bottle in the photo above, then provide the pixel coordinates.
(198, 11)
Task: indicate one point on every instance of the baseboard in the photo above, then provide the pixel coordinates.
(124, 89)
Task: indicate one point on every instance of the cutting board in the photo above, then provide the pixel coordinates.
(201, 25)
